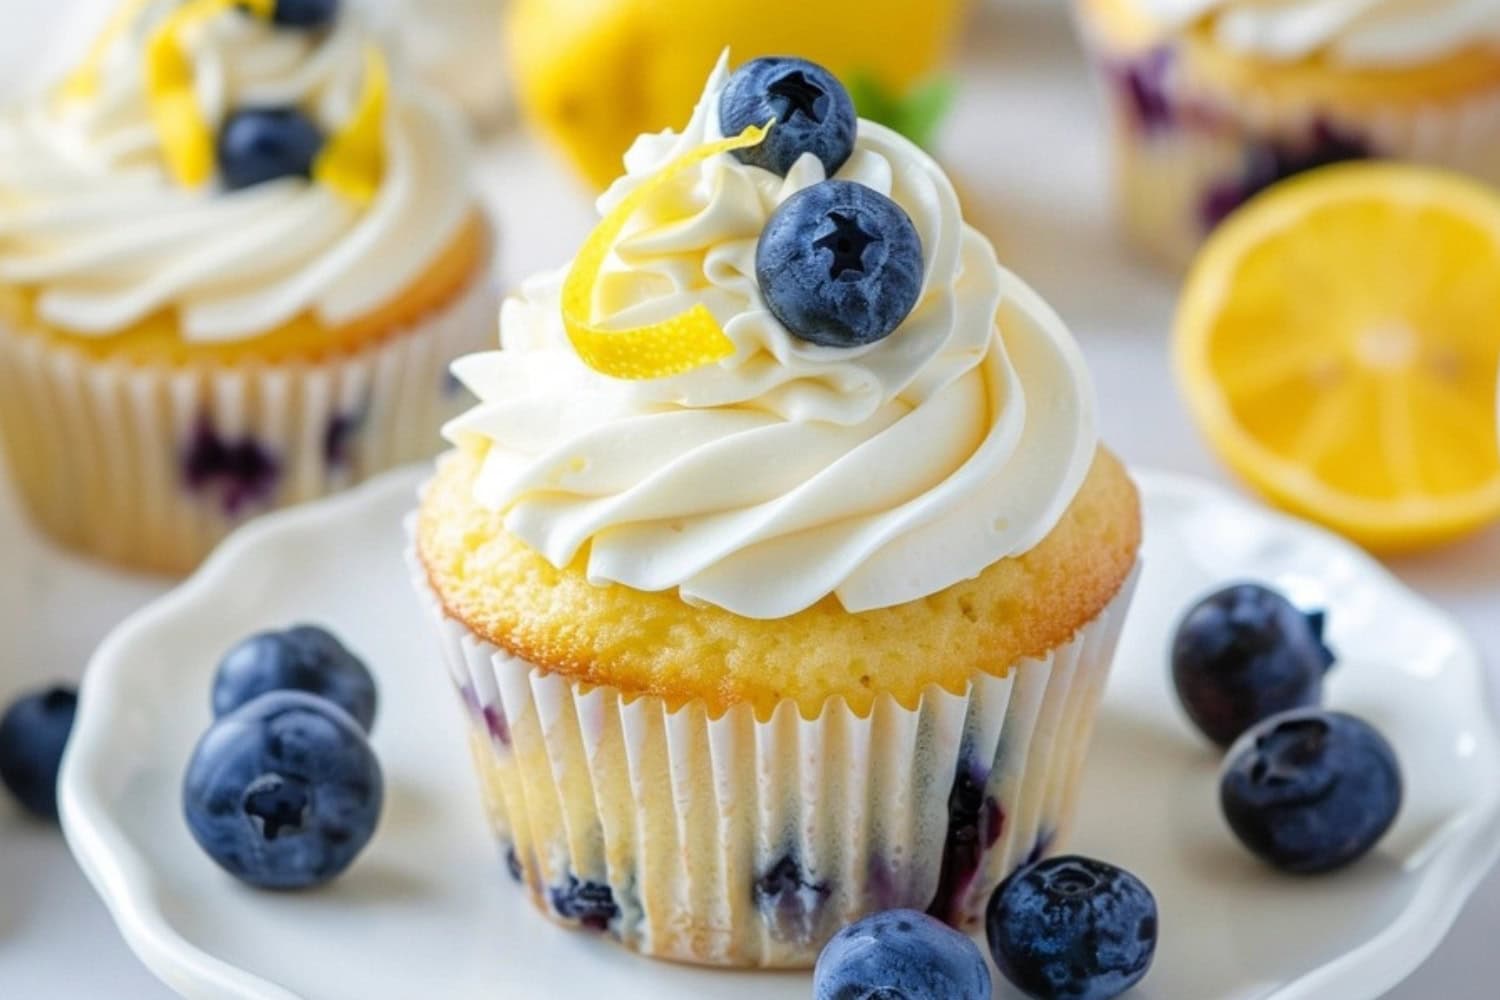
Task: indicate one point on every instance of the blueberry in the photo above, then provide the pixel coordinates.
(1309, 791)
(840, 264)
(1072, 927)
(1243, 654)
(267, 144)
(305, 658)
(310, 14)
(284, 792)
(813, 112)
(33, 734)
(789, 899)
(901, 955)
(592, 904)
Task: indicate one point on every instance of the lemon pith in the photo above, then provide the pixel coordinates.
(1338, 343)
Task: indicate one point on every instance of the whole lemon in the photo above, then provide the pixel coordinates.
(594, 74)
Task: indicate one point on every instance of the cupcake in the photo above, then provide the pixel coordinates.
(778, 567)
(237, 252)
(1212, 101)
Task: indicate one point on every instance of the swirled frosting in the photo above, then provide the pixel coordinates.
(1356, 32)
(787, 472)
(91, 218)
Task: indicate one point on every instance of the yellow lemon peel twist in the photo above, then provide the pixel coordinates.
(680, 344)
(353, 162)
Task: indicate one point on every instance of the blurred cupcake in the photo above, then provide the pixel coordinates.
(779, 568)
(1214, 100)
(237, 251)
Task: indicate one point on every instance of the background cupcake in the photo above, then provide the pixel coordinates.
(760, 635)
(237, 249)
(1212, 101)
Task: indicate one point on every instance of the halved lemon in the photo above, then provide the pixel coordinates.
(1338, 342)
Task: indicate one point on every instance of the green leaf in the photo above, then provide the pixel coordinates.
(917, 114)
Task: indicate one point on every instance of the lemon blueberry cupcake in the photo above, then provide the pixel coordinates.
(779, 566)
(1213, 100)
(237, 251)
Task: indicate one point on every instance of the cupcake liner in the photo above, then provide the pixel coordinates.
(738, 841)
(1188, 153)
(152, 465)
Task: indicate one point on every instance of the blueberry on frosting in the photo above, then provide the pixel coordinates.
(812, 110)
(309, 14)
(266, 144)
(840, 264)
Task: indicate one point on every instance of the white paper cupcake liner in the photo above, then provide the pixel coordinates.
(738, 842)
(1187, 153)
(151, 466)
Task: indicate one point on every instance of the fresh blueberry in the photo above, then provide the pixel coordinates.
(33, 734)
(1072, 928)
(1242, 655)
(813, 112)
(267, 144)
(1309, 791)
(305, 658)
(284, 792)
(840, 264)
(309, 14)
(901, 955)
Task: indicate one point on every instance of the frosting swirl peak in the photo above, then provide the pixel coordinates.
(787, 472)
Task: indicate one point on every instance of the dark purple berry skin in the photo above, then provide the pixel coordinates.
(240, 473)
(901, 955)
(257, 145)
(304, 658)
(1267, 164)
(1243, 654)
(1072, 928)
(840, 265)
(34, 733)
(813, 113)
(974, 825)
(789, 899)
(310, 15)
(591, 904)
(1310, 791)
(284, 792)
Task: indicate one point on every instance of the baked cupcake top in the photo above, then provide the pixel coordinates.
(244, 163)
(888, 411)
(1355, 32)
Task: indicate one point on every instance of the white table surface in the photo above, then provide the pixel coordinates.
(1030, 161)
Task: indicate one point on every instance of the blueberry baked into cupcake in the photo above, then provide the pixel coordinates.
(1213, 100)
(778, 566)
(238, 249)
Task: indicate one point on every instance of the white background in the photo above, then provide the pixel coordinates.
(1026, 150)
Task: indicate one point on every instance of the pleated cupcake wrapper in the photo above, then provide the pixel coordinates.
(151, 465)
(737, 842)
(1179, 140)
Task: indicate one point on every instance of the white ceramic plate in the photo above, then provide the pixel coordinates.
(430, 912)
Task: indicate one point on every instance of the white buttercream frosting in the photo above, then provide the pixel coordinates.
(1356, 32)
(91, 218)
(788, 472)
